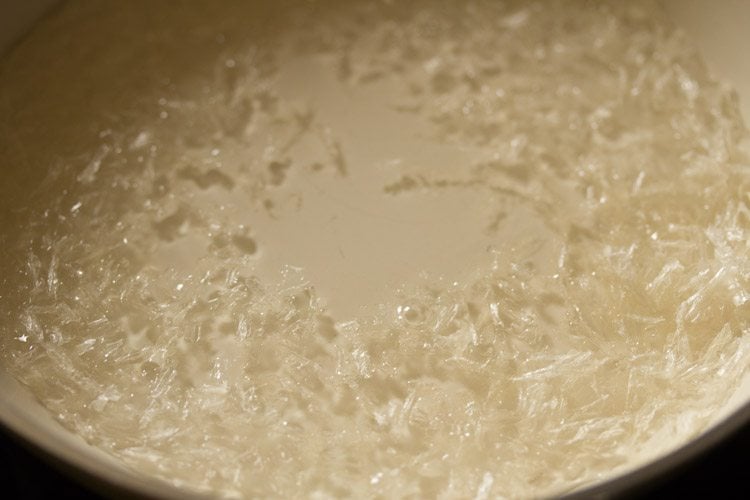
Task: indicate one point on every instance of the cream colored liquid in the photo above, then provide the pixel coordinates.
(478, 249)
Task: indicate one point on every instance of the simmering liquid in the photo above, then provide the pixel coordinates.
(373, 249)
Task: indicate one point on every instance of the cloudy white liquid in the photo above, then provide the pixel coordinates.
(442, 250)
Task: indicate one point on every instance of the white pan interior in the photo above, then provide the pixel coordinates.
(719, 28)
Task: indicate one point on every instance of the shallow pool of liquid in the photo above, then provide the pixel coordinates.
(358, 249)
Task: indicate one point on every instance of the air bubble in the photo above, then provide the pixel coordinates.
(407, 313)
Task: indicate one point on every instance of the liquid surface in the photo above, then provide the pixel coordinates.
(454, 250)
